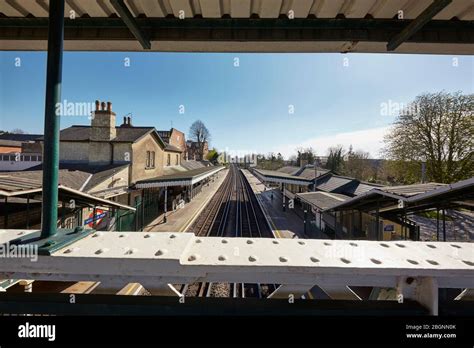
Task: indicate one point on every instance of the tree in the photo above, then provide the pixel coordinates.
(358, 165)
(212, 156)
(437, 129)
(199, 133)
(305, 156)
(17, 131)
(335, 160)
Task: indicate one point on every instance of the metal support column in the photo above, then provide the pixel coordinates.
(437, 224)
(444, 225)
(377, 221)
(166, 204)
(51, 119)
(305, 218)
(94, 213)
(283, 195)
(5, 214)
(28, 212)
(63, 214)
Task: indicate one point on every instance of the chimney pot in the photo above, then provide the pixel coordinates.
(129, 120)
(97, 105)
(109, 106)
(124, 120)
(103, 106)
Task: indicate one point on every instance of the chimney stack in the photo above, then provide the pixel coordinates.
(103, 123)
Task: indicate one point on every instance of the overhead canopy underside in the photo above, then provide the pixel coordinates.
(439, 26)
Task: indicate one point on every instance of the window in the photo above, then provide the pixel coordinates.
(169, 160)
(150, 159)
(177, 159)
(147, 163)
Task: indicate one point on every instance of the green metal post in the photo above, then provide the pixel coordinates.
(444, 225)
(51, 119)
(377, 222)
(305, 218)
(27, 212)
(5, 216)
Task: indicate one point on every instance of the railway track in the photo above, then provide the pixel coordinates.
(233, 211)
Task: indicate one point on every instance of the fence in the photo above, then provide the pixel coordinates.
(148, 208)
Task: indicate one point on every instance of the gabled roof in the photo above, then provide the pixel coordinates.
(20, 137)
(333, 183)
(172, 148)
(124, 134)
(309, 173)
(165, 135)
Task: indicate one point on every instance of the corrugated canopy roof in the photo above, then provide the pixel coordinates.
(13, 186)
(414, 197)
(179, 178)
(248, 25)
(322, 200)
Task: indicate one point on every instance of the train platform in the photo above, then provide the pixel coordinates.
(285, 224)
(179, 220)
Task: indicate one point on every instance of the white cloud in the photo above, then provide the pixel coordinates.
(370, 140)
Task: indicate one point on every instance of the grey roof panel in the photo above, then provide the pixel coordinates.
(411, 190)
(333, 183)
(75, 175)
(322, 200)
(292, 170)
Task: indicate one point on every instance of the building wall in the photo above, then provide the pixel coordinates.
(139, 155)
(123, 152)
(36, 147)
(178, 139)
(10, 149)
(193, 151)
(100, 152)
(70, 151)
(174, 156)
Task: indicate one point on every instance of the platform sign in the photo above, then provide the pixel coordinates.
(91, 220)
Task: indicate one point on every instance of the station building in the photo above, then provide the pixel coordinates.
(107, 161)
(341, 207)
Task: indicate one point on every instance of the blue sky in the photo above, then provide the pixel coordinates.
(337, 99)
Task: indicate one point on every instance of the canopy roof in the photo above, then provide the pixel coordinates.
(427, 26)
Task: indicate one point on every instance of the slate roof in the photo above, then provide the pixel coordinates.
(75, 176)
(124, 134)
(20, 137)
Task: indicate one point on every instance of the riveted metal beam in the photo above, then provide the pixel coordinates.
(417, 24)
(130, 21)
(241, 30)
